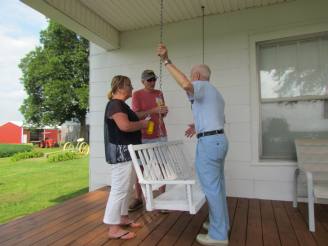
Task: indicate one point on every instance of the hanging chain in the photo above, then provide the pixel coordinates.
(161, 41)
(203, 33)
(161, 67)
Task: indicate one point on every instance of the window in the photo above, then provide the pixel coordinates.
(293, 92)
(35, 134)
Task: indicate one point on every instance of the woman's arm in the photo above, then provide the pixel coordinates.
(125, 125)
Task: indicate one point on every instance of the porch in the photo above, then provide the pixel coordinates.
(253, 222)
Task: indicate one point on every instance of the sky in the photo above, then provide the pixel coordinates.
(20, 26)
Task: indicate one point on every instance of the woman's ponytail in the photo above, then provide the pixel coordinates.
(110, 95)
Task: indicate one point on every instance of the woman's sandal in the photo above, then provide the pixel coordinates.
(125, 236)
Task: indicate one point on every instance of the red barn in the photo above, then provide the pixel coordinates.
(11, 133)
(14, 133)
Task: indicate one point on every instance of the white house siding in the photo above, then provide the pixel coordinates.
(230, 52)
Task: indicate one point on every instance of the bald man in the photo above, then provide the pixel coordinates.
(212, 145)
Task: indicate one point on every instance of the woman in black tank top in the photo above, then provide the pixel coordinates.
(121, 128)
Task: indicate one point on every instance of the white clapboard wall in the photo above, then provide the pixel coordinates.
(230, 52)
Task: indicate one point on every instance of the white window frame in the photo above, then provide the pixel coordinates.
(254, 39)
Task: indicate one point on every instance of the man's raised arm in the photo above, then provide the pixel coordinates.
(180, 77)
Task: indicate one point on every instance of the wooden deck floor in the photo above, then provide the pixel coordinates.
(254, 222)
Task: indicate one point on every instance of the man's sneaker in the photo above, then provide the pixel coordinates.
(135, 205)
(205, 239)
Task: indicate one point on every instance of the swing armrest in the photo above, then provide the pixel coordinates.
(168, 182)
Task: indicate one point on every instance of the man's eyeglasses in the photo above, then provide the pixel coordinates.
(151, 80)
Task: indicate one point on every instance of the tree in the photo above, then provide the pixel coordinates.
(55, 78)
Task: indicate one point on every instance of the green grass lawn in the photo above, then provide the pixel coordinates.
(31, 185)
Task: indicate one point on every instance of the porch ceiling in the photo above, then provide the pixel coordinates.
(126, 15)
(101, 21)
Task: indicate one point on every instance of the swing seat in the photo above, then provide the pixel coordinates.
(166, 164)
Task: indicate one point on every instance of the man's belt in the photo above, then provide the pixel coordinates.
(209, 133)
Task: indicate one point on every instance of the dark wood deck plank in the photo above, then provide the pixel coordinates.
(79, 222)
(44, 232)
(269, 226)
(52, 224)
(301, 231)
(38, 218)
(320, 234)
(232, 205)
(239, 225)
(174, 233)
(78, 232)
(323, 215)
(162, 229)
(188, 236)
(285, 228)
(92, 235)
(100, 231)
(39, 215)
(254, 224)
(146, 219)
(324, 206)
(151, 223)
(140, 216)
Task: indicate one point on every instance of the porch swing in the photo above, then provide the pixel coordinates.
(166, 164)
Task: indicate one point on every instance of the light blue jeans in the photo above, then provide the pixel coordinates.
(210, 154)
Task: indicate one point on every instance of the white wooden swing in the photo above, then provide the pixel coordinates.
(166, 164)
